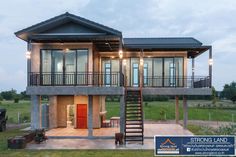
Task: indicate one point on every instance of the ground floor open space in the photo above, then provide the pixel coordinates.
(69, 138)
(150, 130)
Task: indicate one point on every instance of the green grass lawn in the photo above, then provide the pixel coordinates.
(23, 107)
(153, 109)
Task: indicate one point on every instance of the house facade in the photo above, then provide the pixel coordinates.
(77, 63)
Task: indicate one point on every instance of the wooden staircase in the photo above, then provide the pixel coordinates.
(133, 116)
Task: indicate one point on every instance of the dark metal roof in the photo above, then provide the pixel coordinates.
(161, 42)
(189, 44)
(26, 33)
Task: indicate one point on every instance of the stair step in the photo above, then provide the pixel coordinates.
(133, 128)
(133, 106)
(134, 113)
(137, 131)
(133, 117)
(133, 136)
(133, 109)
(129, 124)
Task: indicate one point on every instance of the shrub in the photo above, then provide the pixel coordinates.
(227, 130)
(162, 115)
(16, 100)
(24, 118)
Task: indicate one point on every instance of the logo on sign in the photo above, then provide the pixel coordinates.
(168, 147)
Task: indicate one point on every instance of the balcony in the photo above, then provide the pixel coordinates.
(76, 79)
(113, 80)
(177, 82)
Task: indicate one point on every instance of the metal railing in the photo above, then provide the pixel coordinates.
(75, 79)
(188, 82)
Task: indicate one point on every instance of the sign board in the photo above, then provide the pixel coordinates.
(194, 145)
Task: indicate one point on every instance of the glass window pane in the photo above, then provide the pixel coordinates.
(82, 61)
(57, 67)
(46, 61)
(70, 67)
(134, 71)
(158, 72)
(179, 71)
(169, 71)
(46, 67)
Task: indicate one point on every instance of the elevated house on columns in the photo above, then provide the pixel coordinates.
(77, 63)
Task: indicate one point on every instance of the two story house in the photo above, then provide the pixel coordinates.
(75, 61)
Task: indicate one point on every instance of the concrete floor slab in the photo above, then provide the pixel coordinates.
(69, 140)
(150, 130)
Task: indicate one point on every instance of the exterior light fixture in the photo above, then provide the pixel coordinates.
(66, 50)
(210, 61)
(120, 54)
(112, 57)
(141, 61)
(124, 62)
(28, 55)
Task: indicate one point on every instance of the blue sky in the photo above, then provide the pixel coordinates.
(210, 21)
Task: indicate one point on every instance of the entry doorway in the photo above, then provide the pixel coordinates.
(70, 116)
(82, 116)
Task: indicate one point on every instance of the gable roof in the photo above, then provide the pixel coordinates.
(46, 27)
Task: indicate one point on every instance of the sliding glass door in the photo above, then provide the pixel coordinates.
(62, 68)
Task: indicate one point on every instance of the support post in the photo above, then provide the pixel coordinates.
(90, 116)
(35, 112)
(120, 64)
(193, 71)
(122, 114)
(141, 63)
(176, 109)
(210, 67)
(185, 111)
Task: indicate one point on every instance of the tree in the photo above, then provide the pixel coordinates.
(229, 91)
(9, 95)
(24, 96)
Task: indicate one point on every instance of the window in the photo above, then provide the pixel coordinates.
(59, 67)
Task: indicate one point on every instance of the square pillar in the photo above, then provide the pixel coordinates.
(35, 112)
(90, 116)
(176, 109)
(193, 71)
(185, 111)
(210, 66)
(122, 114)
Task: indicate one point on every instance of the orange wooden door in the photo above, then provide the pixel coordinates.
(82, 116)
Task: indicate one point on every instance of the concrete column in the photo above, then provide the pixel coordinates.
(90, 116)
(193, 71)
(185, 111)
(210, 66)
(141, 69)
(176, 109)
(35, 112)
(122, 114)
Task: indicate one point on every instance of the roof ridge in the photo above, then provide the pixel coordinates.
(67, 15)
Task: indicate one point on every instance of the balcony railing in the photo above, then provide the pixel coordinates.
(76, 79)
(187, 82)
(113, 79)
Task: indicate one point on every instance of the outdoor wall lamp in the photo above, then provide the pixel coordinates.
(66, 50)
(124, 62)
(141, 61)
(28, 54)
(120, 54)
(210, 61)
